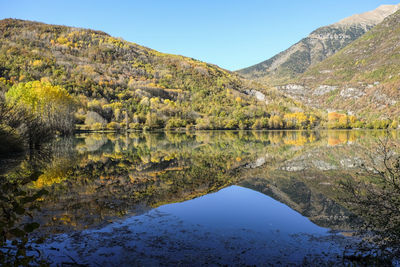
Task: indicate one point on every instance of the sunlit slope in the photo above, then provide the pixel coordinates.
(110, 76)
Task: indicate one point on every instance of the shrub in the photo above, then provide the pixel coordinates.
(257, 125)
(231, 124)
(175, 122)
(204, 124)
(275, 122)
(113, 126)
(394, 124)
(190, 127)
(135, 126)
(153, 121)
(79, 118)
(97, 126)
(358, 124)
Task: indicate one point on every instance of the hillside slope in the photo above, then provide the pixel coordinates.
(363, 78)
(127, 84)
(320, 44)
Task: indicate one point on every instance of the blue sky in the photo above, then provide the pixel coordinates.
(230, 33)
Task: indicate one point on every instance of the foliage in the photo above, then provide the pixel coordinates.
(113, 126)
(175, 123)
(337, 120)
(51, 104)
(126, 83)
(19, 128)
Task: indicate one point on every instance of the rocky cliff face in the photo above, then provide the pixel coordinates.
(363, 78)
(316, 47)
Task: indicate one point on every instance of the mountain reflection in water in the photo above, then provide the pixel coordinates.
(110, 197)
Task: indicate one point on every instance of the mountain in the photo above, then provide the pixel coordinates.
(125, 84)
(363, 78)
(320, 44)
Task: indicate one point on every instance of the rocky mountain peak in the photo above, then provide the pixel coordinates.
(320, 44)
(369, 18)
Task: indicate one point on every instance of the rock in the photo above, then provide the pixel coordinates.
(294, 168)
(384, 99)
(293, 89)
(258, 163)
(325, 71)
(257, 94)
(324, 89)
(351, 93)
(351, 163)
(323, 166)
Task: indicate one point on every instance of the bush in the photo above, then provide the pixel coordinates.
(259, 124)
(231, 124)
(79, 118)
(153, 121)
(204, 124)
(114, 126)
(381, 124)
(175, 122)
(190, 127)
(358, 124)
(97, 126)
(135, 126)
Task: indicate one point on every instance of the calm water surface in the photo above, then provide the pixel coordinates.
(198, 198)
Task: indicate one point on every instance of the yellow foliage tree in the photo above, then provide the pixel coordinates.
(52, 104)
(275, 122)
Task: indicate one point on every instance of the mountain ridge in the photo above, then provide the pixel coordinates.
(363, 78)
(318, 45)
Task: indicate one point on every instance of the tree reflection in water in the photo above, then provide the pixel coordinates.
(16, 202)
(374, 195)
(93, 179)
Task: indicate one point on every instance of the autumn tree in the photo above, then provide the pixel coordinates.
(51, 104)
(275, 122)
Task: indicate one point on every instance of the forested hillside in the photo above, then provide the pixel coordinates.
(117, 84)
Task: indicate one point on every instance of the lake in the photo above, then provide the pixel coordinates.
(219, 198)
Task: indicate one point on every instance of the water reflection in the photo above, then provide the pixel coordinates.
(232, 226)
(96, 176)
(95, 179)
(229, 209)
